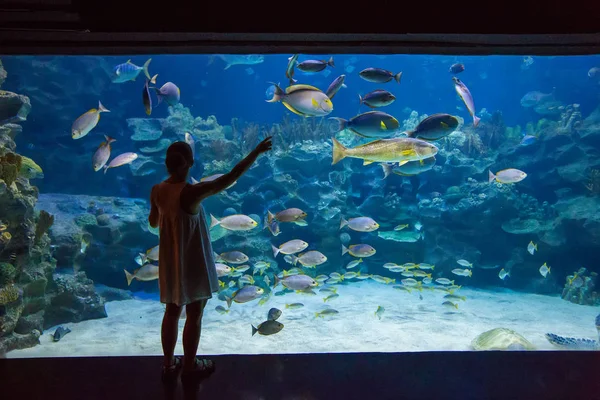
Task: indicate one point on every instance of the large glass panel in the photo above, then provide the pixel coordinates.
(409, 203)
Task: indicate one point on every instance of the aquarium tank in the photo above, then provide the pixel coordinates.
(410, 202)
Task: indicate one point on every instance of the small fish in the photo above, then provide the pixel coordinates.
(528, 140)
(421, 274)
(434, 127)
(404, 288)
(321, 278)
(335, 86)
(390, 265)
(274, 229)
(427, 281)
(60, 333)
(331, 297)
(400, 227)
(336, 275)
(235, 222)
(455, 297)
(267, 328)
(464, 93)
(456, 68)
(287, 215)
(462, 272)
(86, 122)
(326, 312)
(296, 282)
(289, 71)
(353, 263)
(379, 312)
(313, 66)
(102, 154)
(510, 175)
(245, 294)
(294, 306)
(128, 71)
(409, 265)
(246, 280)
(372, 124)
(274, 314)
(532, 247)
(241, 268)
(382, 279)
(378, 75)
(267, 280)
(221, 310)
(576, 281)
(377, 98)
(310, 259)
(407, 274)
(150, 255)
(544, 270)
(464, 263)
(232, 257)
(146, 98)
(444, 281)
(328, 289)
(148, 272)
(120, 160)
(425, 266)
(360, 224)
(503, 274)
(450, 304)
(350, 275)
(332, 281)
(288, 259)
(396, 269)
(260, 267)
(359, 250)
(410, 282)
(169, 92)
(290, 247)
(222, 270)
(263, 300)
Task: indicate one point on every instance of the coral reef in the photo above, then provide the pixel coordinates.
(579, 288)
(44, 223)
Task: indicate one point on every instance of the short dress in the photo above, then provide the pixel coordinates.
(186, 266)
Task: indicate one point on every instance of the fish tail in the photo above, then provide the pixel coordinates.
(109, 140)
(491, 176)
(145, 67)
(339, 151)
(105, 168)
(342, 123)
(254, 330)
(101, 108)
(277, 95)
(293, 81)
(330, 62)
(270, 216)
(153, 80)
(275, 251)
(398, 76)
(343, 222)
(476, 120)
(294, 260)
(411, 134)
(229, 300)
(344, 249)
(213, 221)
(456, 306)
(129, 277)
(317, 315)
(276, 281)
(387, 169)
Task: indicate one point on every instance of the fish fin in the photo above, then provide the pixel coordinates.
(343, 222)
(145, 68)
(314, 103)
(143, 258)
(342, 123)
(386, 169)
(411, 134)
(344, 249)
(276, 281)
(213, 221)
(109, 140)
(292, 109)
(227, 66)
(476, 120)
(367, 162)
(491, 176)
(330, 62)
(101, 108)
(382, 126)
(270, 216)
(277, 94)
(254, 330)
(106, 167)
(129, 277)
(401, 163)
(129, 61)
(153, 80)
(294, 260)
(339, 151)
(295, 88)
(229, 300)
(360, 99)
(398, 76)
(275, 251)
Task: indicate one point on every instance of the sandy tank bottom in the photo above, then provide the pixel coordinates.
(408, 324)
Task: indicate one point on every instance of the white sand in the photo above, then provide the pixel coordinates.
(408, 324)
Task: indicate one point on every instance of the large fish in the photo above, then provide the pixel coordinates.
(313, 66)
(378, 75)
(372, 124)
(304, 100)
(377, 98)
(399, 150)
(466, 97)
(102, 154)
(148, 272)
(86, 122)
(534, 98)
(245, 294)
(434, 127)
(122, 159)
(169, 92)
(129, 71)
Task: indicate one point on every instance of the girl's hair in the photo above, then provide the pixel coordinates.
(179, 158)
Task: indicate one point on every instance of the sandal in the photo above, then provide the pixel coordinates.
(202, 368)
(170, 373)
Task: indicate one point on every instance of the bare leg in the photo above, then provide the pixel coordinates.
(169, 332)
(191, 333)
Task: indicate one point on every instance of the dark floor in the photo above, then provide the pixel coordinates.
(448, 375)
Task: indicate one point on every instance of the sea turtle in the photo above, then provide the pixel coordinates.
(501, 339)
(576, 343)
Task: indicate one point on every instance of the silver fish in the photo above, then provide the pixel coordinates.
(102, 154)
(466, 97)
(122, 159)
(86, 122)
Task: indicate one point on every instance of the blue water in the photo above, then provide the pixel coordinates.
(452, 212)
